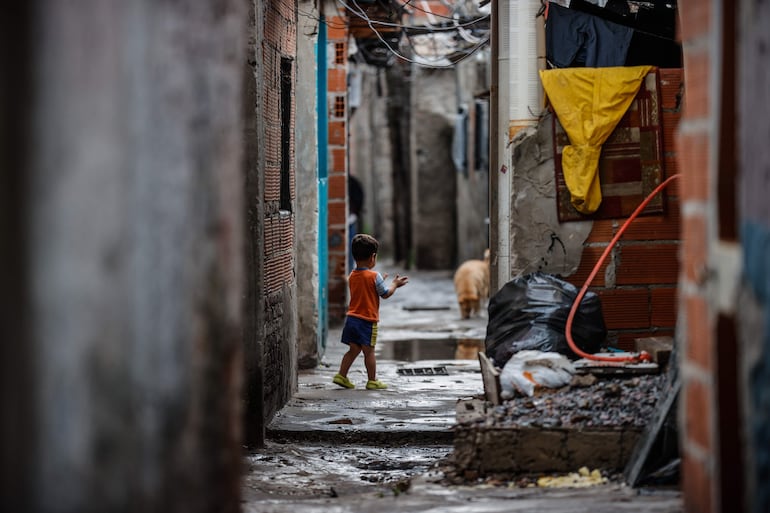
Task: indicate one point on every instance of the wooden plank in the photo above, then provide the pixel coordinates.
(653, 446)
(491, 378)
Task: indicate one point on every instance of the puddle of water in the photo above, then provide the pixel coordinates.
(431, 349)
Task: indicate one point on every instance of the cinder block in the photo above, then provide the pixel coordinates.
(594, 449)
(517, 450)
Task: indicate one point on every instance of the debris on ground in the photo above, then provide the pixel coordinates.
(446, 473)
(611, 402)
(580, 479)
(529, 370)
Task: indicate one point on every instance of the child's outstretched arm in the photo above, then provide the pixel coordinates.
(398, 281)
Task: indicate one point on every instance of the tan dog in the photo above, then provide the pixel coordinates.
(469, 348)
(472, 285)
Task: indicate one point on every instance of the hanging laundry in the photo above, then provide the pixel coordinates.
(574, 38)
(589, 102)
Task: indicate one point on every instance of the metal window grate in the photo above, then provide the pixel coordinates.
(423, 371)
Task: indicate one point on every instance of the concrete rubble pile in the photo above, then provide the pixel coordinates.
(608, 402)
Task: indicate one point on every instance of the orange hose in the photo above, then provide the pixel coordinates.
(637, 357)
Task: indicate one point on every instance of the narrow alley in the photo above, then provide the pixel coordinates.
(331, 449)
(181, 184)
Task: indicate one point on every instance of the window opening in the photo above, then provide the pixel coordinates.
(286, 94)
(339, 53)
(339, 106)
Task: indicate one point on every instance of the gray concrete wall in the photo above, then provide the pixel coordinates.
(535, 230)
(254, 187)
(132, 278)
(434, 107)
(445, 210)
(472, 183)
(370, 156)
(399, 113)
(309, 349)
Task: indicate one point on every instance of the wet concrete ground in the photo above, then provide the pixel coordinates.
(332, 449)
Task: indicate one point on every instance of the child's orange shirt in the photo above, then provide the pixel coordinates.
(366, 287)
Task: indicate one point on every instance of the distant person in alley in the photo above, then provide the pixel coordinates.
(360, 330)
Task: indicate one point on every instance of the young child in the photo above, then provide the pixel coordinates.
(360, 330)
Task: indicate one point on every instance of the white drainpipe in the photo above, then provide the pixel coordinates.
(520, 102)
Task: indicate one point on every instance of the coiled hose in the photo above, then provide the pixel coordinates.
(643, 356)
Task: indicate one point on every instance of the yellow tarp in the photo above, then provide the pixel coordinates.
(589, 102)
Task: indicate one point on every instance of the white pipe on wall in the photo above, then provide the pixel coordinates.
(520, 101)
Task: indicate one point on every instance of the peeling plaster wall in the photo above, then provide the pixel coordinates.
(538, 241)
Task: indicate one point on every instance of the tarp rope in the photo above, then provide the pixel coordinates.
(638, 357)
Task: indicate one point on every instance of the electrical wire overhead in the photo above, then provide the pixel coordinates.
(436, 44)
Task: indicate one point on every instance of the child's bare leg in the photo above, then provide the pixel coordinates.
(348, 358)
(370, 362)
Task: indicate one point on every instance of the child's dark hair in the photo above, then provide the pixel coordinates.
(363, 246)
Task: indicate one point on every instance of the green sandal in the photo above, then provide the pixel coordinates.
(343, 381)
(375, 385)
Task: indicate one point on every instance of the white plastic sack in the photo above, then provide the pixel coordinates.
(528, 370)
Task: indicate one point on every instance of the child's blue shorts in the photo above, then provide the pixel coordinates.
(359, 331)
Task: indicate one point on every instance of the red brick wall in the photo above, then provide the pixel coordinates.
(338, 168)
(280, 42)
(638, 281)
(278, 303)
(694, 141)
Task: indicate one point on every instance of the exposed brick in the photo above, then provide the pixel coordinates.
(337, 239)
(336, 28)
(588, 260)
(671, 82)
(671, 167)
(337, 213)
(699, 331)
(626, 308)
(337, 160)
(337, 133)
(602, 231)
(697, 20)
(648, 264)
(693, 153)
(337, 186)
(697, 485)
(670, 127)
(697, 70)
(663, 307)
(694, 248)
(665, 227)
(337, 265)
(337, 83)
(698, 412)
(278, 270)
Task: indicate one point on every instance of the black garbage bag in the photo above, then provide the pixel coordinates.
(530, 312)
